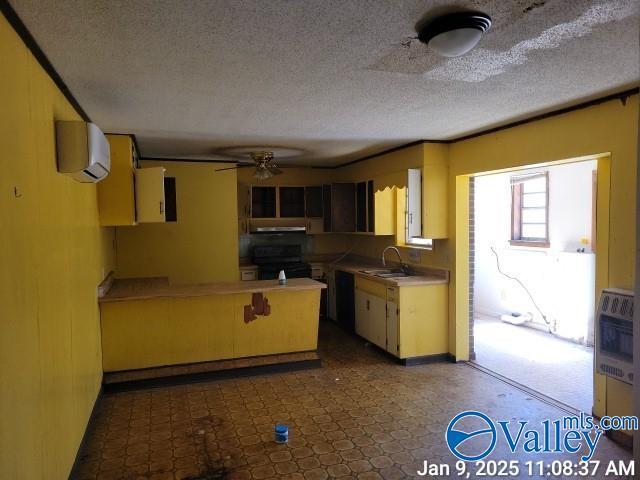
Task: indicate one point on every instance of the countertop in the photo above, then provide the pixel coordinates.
(424, 276)
(158, 287)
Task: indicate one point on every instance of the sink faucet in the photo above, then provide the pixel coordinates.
(404, 267)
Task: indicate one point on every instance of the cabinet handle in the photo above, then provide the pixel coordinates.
(161, 207)
(367, 304)
(411, 219)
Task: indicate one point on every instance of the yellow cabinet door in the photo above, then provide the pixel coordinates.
(392, 329)
(150, 204)
(384, 211)
(377, 320)
(116, 193)
(434, 199)
(361, 313)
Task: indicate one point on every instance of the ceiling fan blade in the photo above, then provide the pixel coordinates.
(239, 165)
(273, 169)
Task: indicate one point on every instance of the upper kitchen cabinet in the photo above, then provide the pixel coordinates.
(116, 193)
(342, 208)
(150, 195)
(435, 196)
(361, 207)
(263, 202)
(128, 195)
(375, 210)
(314, 209)
(424, 203)
(313, 201)
(292, 202)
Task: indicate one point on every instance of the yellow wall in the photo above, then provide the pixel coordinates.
(610, 128)
(53, 255)
(202, 246)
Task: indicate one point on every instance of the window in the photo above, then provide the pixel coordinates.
(530, 209)
(414, 210)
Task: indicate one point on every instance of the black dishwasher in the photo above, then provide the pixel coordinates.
(345, 300)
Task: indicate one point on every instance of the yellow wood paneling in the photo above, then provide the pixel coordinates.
(423, 320)
(116, 195)
(53, 255)
(173, 331)
(292, 325)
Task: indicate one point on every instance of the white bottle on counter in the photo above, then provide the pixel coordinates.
(282, 279)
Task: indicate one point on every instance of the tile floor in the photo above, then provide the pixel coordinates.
(557, 368)
(360, 416)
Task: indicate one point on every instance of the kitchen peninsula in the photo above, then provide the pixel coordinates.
(148, 323)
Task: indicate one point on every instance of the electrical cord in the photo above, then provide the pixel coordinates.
(510, 277)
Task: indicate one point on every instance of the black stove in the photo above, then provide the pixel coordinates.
(270, 259)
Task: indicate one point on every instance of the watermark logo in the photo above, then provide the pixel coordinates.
(471, 436)
(469, 430)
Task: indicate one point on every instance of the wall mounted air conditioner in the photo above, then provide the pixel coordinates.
(82, 151)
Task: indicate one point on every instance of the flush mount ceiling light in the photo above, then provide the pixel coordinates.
(454, 34)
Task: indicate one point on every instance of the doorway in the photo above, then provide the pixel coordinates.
(533, 295)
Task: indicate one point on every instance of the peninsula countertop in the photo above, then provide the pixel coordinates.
(158, 287)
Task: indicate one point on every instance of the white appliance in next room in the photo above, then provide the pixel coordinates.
(614, 335)
(82, 151)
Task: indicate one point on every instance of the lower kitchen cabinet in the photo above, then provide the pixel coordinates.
(371, 318)
(393, 343)
(408, 321)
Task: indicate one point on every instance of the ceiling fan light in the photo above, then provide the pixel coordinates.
(262, 173)
(455, 42)
(454, 34)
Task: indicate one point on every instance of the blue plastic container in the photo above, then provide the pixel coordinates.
(281, 433)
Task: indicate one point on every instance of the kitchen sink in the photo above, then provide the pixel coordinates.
(392, 275)
(386, 273)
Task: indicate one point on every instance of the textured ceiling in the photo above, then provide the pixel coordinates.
(337, 78)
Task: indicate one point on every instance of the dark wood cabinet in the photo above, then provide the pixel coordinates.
(326, 207)
(361, 207)
(343, 207)
(291, 202)
(263, 202)
(313, 202)
(371, 207)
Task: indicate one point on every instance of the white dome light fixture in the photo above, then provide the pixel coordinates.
(454, 34)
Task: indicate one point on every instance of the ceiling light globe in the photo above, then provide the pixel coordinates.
(455, 42)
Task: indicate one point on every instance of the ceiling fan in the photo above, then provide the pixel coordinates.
(263, 163)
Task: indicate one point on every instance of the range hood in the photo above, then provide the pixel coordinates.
(277, 225)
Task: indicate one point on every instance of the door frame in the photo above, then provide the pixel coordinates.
(462, 264)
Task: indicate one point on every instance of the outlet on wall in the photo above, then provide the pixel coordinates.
(414, 255)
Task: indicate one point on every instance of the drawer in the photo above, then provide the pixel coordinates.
(248, 274)
(393, 294)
